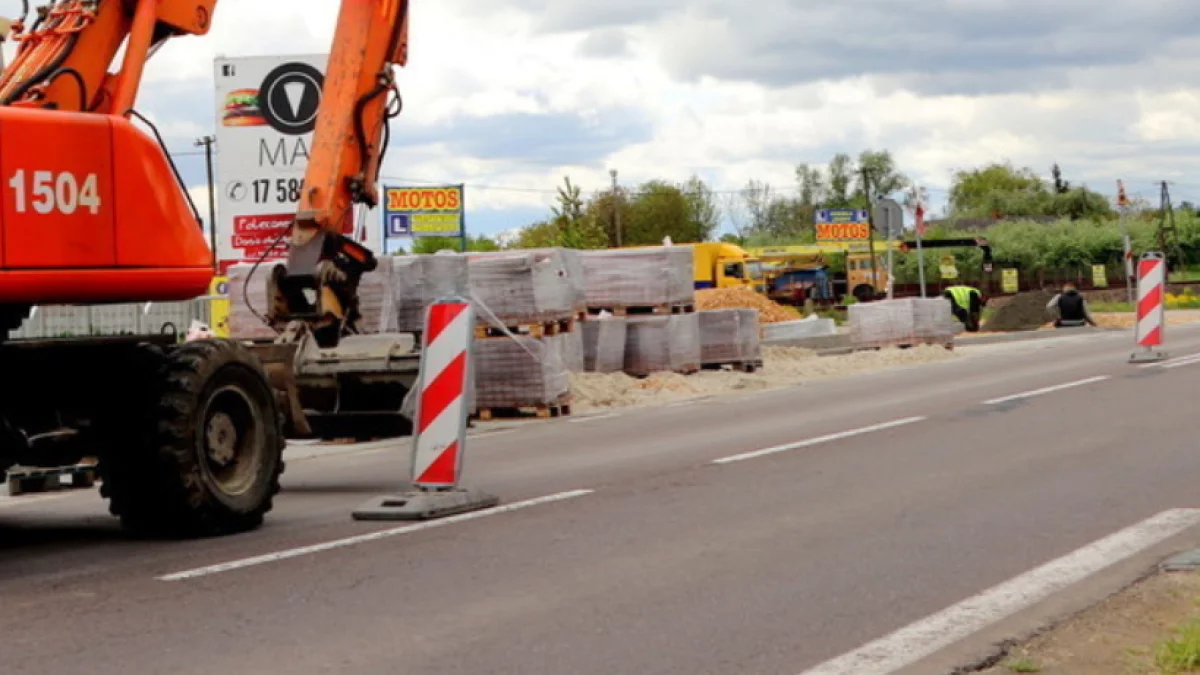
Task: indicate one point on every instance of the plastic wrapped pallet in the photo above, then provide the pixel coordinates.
(243, 324)
(373, 292)
(521, 287)
(519, 372)
(570, 349)
(662, 343)
(417, 281)
(811, 327)
(639, 277)
(603, 344)
(572, 262)
(730, 336)
(909, 320)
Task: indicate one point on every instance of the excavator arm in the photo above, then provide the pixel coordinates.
(65, 50)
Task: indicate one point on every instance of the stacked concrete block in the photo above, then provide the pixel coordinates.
(662, 343)
(730, 336)
(639, 277)
(900, 322)
(247, 301)
(570, 349)
(800, 329)
(417, 281)
(523, 287)
(519, 372)
(604, 344)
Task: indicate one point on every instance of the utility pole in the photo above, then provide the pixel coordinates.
(616, 206)
(1126, 242)
(866, 180)
(1168, 236)
(207, 143)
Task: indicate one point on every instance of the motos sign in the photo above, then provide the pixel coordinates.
(423, 212)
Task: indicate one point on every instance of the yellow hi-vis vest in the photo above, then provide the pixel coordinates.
(962, 295)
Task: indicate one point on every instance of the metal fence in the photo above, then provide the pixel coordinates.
(98, 320)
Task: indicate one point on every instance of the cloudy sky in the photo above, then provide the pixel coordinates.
(509, 97)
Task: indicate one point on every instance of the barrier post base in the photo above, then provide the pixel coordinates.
(1147, 356)
(420, 504)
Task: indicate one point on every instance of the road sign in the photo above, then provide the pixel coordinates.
(266, 111)
(423, 212)
(889, 218)
(842, 225)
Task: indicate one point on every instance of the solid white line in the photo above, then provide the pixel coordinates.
(591, 418)
(1185, 360)
(931, 634)
(363, 538)
(818, 440)
(1047, 390)
(1181, 364)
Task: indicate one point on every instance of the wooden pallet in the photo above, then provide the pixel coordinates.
(538, 329)
(744, 366)
(25, 481)
(544, 411)
(643, 310)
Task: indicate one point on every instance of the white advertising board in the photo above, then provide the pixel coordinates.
(266, 112)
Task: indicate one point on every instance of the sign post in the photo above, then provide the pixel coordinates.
(889, 218)
(440, 422)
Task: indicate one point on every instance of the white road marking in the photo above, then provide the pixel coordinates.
(9, 502)
(1189, 360)
(591, 418)
(818, 440)
(933, 633)
(364, 538)
(1048, 390)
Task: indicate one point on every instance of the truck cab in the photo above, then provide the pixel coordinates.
(722, 265)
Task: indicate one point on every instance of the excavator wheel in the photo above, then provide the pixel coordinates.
(209, 456)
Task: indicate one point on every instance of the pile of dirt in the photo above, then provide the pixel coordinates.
(782, 367)
(1025, 311)
(744, 298)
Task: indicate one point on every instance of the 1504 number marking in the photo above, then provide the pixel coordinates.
(51, 192)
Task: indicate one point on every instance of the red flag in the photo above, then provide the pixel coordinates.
(920, 224)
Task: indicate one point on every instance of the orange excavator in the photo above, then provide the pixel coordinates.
(189, 436)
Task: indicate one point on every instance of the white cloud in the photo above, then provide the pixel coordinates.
(511, 98)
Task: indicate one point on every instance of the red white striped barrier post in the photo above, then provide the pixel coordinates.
(1151, 307)
(440, 422)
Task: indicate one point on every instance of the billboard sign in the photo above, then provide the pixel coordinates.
(423, 212)
(842, 225)
(266, 112)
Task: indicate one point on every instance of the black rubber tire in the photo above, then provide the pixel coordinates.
(161, 482)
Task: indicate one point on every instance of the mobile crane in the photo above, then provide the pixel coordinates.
(190, 436)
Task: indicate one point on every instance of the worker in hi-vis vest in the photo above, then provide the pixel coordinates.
(967, 305)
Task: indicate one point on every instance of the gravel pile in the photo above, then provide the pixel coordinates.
(742, 298)
(1026, 311)
(782, 367)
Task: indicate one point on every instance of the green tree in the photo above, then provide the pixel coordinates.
(703, 211)
(881, 170)
(841, 178)
(997, 190)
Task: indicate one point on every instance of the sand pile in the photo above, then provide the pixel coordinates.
(744, 298)
(782, 367)
(1026, 311)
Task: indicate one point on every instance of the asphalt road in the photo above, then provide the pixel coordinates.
(879, 500)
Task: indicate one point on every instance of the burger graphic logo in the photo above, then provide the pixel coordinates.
(242, 110)
(287, 101)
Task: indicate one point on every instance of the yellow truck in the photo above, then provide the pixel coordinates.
(861, 281)
(721, 265)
